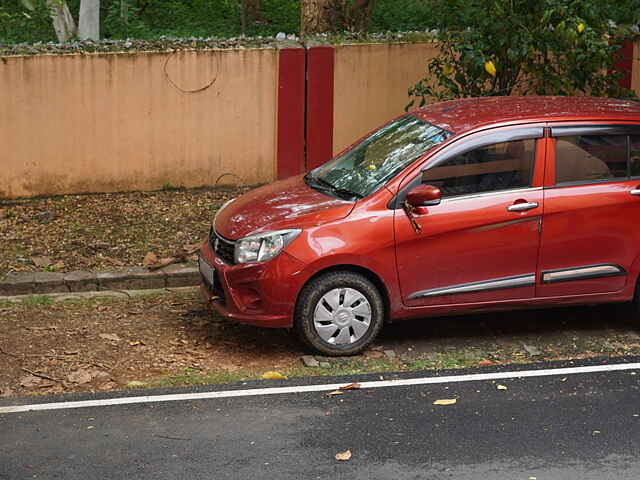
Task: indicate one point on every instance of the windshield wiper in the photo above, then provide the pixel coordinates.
(321, 183)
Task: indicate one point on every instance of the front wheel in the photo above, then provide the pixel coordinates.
(635, 306)
(339, 313)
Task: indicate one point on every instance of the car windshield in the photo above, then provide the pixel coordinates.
(378, 158)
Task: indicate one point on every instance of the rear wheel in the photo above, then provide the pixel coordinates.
(339, 313)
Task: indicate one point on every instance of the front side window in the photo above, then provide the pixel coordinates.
(501, 166)
(374, 161)
(587, 158)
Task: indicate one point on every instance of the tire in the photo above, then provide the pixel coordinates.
(339, 313)
(635, 306)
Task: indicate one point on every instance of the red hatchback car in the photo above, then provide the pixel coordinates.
(463, 206)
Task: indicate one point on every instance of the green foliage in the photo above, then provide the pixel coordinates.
(146, 19)
(121, 19)
(19, 24)
(36, 301)
(403, 15)
(546, 47)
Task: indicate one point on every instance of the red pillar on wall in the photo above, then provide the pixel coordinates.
(291, 112)
(320, 66)
(624, 64)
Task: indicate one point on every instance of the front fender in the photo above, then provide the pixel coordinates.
(632, 281)
(384, 272)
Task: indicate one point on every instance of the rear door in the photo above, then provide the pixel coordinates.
(590, 234)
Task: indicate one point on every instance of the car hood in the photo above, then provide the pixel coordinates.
(289, 203)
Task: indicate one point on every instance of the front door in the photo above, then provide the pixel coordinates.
(590, 234)
(480, 244)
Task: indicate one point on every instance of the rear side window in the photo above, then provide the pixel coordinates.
(587, 158)
(635, 155)
(501, 166)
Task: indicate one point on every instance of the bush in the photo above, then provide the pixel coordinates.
(403, 15)
(546, 47)
(17, 24)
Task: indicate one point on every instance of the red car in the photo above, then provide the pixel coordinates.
(463, 206)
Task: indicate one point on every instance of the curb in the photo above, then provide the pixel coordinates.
(63, 297)
(133, 278)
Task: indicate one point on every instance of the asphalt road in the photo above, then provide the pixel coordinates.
(580, 426)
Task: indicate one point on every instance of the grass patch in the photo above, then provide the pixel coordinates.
(37, 301)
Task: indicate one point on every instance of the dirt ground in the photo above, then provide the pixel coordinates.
(155, 341)
(104, 231)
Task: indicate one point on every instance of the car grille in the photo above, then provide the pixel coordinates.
(225, 249)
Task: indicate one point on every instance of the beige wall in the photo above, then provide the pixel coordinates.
(111, 122)
(371, 83)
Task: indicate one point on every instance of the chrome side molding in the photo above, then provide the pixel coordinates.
(583, 273)
(483, 286)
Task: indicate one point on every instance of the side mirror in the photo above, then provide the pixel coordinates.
(424, 196)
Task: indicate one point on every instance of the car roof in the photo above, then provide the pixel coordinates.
(464, 114)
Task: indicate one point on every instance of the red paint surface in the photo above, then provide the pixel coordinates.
(624, 64)
(463, 115)
(320, 66)
(480, 240)
(284, 204)
(291, 112)
(462, 240)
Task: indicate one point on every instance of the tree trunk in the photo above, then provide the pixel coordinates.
(89, 23)
(254, 10)
(63, 23)
(360, 15)
(315, 16)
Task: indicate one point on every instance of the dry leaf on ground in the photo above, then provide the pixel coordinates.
(163, 262)
(501, 387)
(484, 363)
(113, 261)
(108, 386)
(351, 386)
(374, 354)
(191, 248)
(334, 393)
(273, 376)
(30, 381)
(6, 392)
(150, 259)
(446, 401)
(41, 261)
(343, 456)
(80, 376)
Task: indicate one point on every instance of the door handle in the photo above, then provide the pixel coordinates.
(522, 207)
(635, 191)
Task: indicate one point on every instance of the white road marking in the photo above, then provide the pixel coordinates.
(475, 377)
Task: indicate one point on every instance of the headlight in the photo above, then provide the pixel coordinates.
(264, 246)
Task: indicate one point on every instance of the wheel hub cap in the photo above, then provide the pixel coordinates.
(342, 316)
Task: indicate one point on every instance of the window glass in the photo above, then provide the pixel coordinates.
(586, 158)
(500, 166)
(635, 155)
(379, 157)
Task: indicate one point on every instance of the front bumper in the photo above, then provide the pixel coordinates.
(261, 294)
